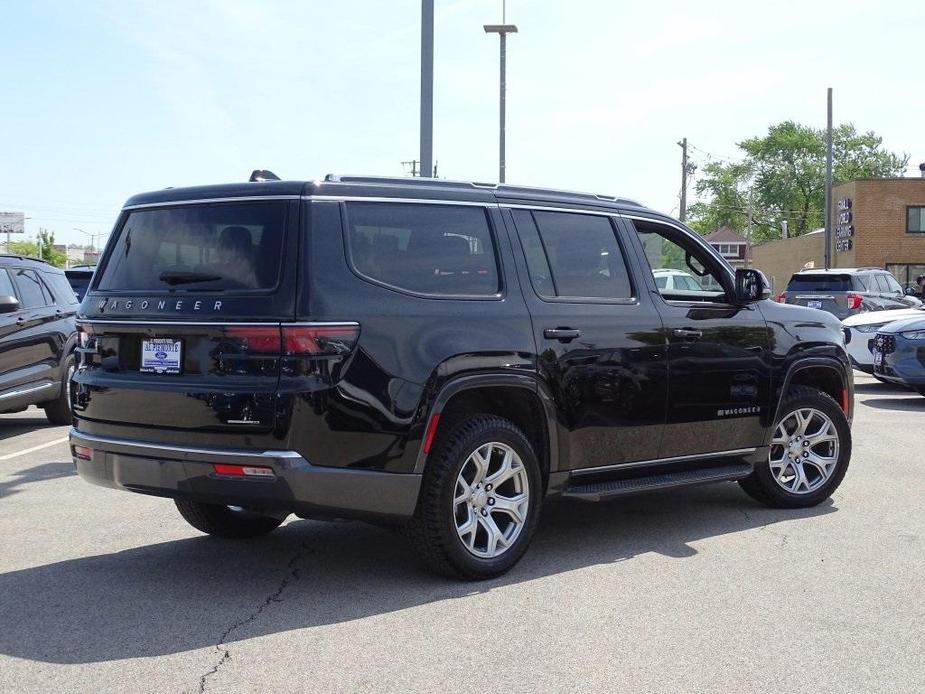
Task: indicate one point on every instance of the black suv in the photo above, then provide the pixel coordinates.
(37, 337)
(442, 355)
(844, 292)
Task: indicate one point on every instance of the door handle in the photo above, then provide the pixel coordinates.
(562, 334)
(687, 333)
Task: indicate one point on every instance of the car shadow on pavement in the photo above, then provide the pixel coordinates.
(913, 403)
(198, 592)
(39, 473)
(14, 426)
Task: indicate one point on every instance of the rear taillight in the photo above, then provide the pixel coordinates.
(257, 339)
(322, 340)
(854, 301)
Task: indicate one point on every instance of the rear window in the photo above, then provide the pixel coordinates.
(820, 283)
(443, 250)
(61, 288)
(221, 247)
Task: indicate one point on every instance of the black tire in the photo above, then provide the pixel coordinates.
(761, 485)
(58, 410)
(433, 529)
(223, 521)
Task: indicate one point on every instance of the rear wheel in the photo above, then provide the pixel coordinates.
(809, 456)
(58, 410)
(479, 501)
(226, 521)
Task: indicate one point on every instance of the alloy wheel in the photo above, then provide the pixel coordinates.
(804, 451)
(491, 500)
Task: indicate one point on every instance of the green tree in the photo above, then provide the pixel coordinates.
(46, 241)
(24, 248)
(784, 173)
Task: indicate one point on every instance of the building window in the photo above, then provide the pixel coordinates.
(915, 220)
(728, 250)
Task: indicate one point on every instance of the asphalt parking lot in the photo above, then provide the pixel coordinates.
(698, 589)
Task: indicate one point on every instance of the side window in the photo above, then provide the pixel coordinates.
(444, 250)
(882, 284)
(6, 284)
(32, 291)
(61, 288)
(573, 255)
(696, 274)
(895, 287)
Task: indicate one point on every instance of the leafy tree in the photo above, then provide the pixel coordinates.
(784, 172)
(24, 248)
(46, 240)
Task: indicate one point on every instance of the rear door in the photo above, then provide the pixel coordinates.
(15, 352)
(718, 354)
(599, 338)
(37, 346)
(181, 326)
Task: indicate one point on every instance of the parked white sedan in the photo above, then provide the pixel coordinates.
(864, 326)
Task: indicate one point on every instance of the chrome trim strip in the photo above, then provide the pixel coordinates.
(418, 201)
(206, 201)
(156, 448)
(659, 461)
(26, 391)
(234, 324)
(546, 208)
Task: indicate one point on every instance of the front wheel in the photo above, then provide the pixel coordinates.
(479, 501)
(226, 521)
(809, 456)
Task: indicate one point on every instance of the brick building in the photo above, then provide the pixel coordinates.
(730, 244)
(878, 222)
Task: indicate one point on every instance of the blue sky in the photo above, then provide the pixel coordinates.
(106, 99)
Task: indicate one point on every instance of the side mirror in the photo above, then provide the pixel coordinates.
(751, 286)
(8, 304)
(910, 291)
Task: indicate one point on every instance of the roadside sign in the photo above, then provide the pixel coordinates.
(12, 223)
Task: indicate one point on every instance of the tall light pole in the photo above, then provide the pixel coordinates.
(427, 88)
(502, 30)
(88, 234)
(828, 182)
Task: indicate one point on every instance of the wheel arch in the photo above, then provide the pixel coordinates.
(498, 394)
(826, 374)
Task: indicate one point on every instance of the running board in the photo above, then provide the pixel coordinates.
(598, 491)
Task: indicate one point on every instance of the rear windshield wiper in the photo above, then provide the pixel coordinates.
(172, 278)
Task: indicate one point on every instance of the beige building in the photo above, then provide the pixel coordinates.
(878, 222)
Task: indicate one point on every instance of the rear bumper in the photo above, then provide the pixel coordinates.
(297, 486)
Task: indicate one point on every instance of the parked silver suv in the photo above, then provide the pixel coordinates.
(847, 291)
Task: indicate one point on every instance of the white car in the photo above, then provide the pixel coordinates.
(864, 326)
(668, 279)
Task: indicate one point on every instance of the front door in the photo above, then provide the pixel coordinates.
(599, 337)
(719, 353)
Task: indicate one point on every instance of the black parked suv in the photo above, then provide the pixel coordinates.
(37, 337)
(440, 355)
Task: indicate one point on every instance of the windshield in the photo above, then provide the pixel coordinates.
(819, 283)
(228, 246)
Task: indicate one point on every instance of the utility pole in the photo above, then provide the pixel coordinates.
(748, 233)
(427, 87)
(412, 165)
(686, 168)
(502, 30)
(828, 183)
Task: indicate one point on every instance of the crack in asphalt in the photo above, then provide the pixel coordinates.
(784, 537)
(290, 577)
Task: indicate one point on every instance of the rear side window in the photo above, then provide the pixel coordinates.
(819, 283)
(61, 288)
(220, 247)
(573, 255)
(32, 291)
(6, 284)
(443, 250)
(882, 284)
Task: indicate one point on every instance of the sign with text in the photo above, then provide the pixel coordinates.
(844, 231)
(12, 222)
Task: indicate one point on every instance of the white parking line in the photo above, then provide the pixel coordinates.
(10, 456)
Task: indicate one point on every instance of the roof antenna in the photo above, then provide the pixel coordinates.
(261, 175)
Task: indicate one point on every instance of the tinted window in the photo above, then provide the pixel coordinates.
(32, 292)
(583, 255)
(60, 287)
(820, 283)
(893, 284)
(6, 284)
(430, 249)
(226, 246)
(915, 220)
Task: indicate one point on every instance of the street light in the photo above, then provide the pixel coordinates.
(502, 30)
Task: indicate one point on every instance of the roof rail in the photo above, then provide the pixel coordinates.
(498, 187)
(24, 257)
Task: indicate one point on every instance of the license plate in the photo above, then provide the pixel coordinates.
(814, 304)
(878, 357)
(161, 356)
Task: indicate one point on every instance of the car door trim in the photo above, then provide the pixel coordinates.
(660, 461)
(26, 390)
